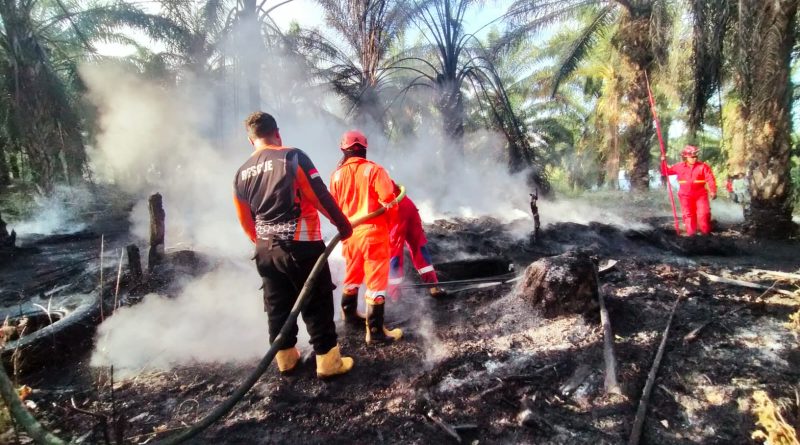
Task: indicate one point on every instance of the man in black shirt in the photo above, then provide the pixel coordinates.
(277, 193)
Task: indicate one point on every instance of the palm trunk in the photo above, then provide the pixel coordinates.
(4, 173)
(769, 123)
(251, 53)
(634, 44)
(451, 105)
(612, 160)
(640, 134)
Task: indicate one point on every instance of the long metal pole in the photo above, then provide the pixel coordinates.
(663, 153)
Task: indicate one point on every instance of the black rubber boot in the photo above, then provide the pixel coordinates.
(350, 313)
(376, 332)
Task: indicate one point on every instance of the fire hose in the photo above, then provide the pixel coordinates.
(663, 153)
(38, 433)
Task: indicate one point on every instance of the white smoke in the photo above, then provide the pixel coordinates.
(60, 211)
(151, 140)
(218, 317)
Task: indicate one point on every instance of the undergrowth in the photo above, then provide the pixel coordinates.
(774, 429)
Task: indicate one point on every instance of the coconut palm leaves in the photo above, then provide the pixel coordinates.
(712, 20)
(360, 68)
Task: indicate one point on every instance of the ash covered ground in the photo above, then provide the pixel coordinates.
(483, 366)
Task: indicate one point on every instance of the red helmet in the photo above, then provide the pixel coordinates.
(690, 150)
(353, 137)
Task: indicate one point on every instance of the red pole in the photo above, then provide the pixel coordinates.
(663, 153)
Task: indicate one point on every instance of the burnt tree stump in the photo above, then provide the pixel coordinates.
(157, 216)
(134, 264)
(559, 285)
(6, 239)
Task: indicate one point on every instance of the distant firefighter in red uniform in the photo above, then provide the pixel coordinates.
(697, 183)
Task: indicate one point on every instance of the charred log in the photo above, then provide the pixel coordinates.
(559, 285)
(134, 264)
(157, 216)
(7, 240)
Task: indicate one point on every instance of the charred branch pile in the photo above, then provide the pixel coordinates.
(559, 285)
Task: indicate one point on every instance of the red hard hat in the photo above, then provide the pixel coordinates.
(351, 138)
(690, 150)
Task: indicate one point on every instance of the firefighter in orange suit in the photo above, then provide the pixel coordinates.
(407, 231)
(277, 193)
(697, 183)
(360, 187)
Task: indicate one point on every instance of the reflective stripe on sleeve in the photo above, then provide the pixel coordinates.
(425, 269)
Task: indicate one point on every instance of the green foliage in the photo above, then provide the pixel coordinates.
(5, 419)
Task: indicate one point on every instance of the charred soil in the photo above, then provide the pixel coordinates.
(482, 366)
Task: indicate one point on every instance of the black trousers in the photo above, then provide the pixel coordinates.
(284, 267)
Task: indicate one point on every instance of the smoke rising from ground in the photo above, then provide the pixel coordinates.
(216, 318)
(58, 212)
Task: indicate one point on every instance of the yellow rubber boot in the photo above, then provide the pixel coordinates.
(287, 359)
(332, 363)
(376, 331)
(437, 292)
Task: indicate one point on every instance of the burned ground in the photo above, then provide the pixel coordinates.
(481, 366)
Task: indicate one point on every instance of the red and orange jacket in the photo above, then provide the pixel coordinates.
(277, 193)
(360, 187)
(693, 179)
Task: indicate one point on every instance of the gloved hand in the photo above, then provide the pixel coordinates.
(713, 196)
(345, 232)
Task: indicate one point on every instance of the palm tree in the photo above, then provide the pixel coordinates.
(765, 37)
(39, 46)
(640, 35)
(360, 71)
(441, 21)
(760, 38)
(455, 62)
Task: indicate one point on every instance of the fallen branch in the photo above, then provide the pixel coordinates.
(447, 428)
(610, 384)
(21, 415)
(747, 284)
(693, 334)
(102, 246)
(778, 274)
(641, 411)
(532, 376)
(101, 417)
(119, 278)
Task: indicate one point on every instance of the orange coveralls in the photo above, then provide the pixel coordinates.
(360, 187)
